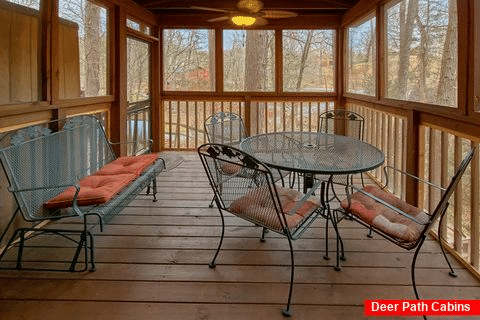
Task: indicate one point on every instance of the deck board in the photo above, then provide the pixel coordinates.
(152, 264)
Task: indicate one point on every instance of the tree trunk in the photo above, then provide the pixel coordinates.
(303, 62)
(92, 49)
(447, 85)
(406, 27)
(211, 59)
(255, 60)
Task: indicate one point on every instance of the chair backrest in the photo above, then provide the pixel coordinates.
(353, 122)
(225, 128)
(57, 153)
(239, 181)
(442, 205)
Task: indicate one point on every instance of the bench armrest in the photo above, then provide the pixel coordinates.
(74, 202)
(149, 143)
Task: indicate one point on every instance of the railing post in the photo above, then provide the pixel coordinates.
(413, 155)
(118, 112)
(248, 116)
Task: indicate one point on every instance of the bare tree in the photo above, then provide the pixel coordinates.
(447, 86)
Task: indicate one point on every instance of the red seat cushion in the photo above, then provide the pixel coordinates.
(94, 190)
(258, 206)
(132, 164)
(384, 218)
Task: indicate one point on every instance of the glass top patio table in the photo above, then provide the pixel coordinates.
(313, 152)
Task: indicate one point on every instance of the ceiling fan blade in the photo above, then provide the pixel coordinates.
(252, 6)
(260, 21)
(278, 14)
(218, 19)
(211, 9)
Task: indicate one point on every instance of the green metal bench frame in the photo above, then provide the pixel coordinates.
(43, 160)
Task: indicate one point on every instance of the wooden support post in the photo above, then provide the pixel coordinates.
(157, 121)
(118, 114)
(413, 156)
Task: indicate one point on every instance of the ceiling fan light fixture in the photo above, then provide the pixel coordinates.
(243, 20)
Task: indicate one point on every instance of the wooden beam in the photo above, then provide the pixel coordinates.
(413, 155)
(118, 114)
(157, 123)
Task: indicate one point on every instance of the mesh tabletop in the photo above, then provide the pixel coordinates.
(312, 152)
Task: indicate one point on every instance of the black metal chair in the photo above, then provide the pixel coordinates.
(228, 128)
(250, 193)
(394, 219)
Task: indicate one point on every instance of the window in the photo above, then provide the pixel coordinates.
(422, 51)
(34, 4)
(19, 52)
(140, 27)
(308, 60)
(188, 60)
(361, 55)
(83, 51)
(249, 60)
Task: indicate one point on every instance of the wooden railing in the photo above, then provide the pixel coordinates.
(138, 127)
(387, 132)
(442, 151)
(184, 119)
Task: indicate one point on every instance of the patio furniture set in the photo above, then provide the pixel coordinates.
(68, 169)
(241, 176)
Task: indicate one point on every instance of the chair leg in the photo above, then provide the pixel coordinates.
(211, 203)
(264, 232)
(325, 256)
(439, 232)
(370, 234)
(340, 248)
(212, 263)
(20, 249)
(414, 284)
(287, 312)
(154, 187)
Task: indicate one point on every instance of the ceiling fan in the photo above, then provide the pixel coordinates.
(249, 12)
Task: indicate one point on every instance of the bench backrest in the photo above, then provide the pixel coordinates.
(50, 155)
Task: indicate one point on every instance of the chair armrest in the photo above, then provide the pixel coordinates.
(431, 184)
(384, 203)
(304, 199)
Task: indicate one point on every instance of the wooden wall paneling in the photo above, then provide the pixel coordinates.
(5, 26)
(8, 123)
(21, 56)
(68, 60)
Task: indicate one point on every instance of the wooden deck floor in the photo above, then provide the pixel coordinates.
(152, 264)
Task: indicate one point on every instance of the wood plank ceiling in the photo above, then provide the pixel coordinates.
(181, 12)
